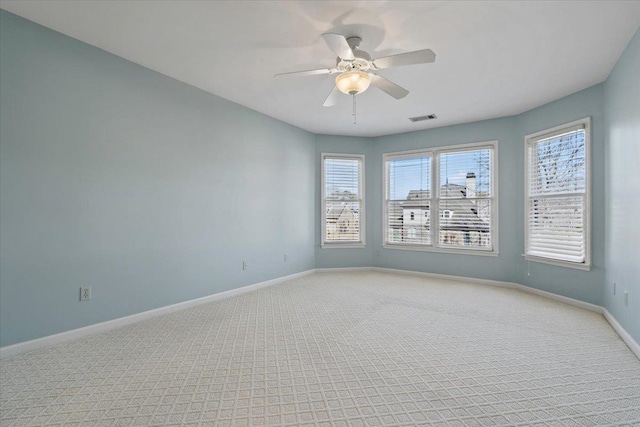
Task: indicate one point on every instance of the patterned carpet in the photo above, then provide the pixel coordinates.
(338, 349)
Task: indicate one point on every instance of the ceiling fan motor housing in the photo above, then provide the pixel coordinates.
(361, 61)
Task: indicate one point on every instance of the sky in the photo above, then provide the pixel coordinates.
(415, 173)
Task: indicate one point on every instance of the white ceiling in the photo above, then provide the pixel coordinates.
(494, 59)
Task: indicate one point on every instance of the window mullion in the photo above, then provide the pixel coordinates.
(435, 200)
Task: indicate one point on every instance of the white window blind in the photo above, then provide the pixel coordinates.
(456, 181)
(465, 198)
(557, 208)
(342, 201)
(409, 200)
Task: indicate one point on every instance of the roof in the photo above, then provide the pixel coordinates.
(418, 199)
(336, 211)
(465, 216)
(465, 212)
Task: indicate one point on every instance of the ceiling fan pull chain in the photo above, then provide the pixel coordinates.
(354, 108)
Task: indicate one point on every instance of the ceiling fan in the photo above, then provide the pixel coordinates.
(356, 70)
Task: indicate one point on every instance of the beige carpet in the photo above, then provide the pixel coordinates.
(339, 349)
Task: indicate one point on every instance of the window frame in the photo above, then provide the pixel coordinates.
(434, 153)
(361, 242)
(545, 134)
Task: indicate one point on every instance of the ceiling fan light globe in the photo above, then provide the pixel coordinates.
(353, 82)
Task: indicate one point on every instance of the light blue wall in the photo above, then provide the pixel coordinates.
(503, 267)
(582, 285)
(508, 265)
(622, 244)
(153, 192)
(336, 257)
(148, 190)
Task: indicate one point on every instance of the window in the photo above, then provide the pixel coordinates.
(459, 182)
(557, 207)
(342, 200)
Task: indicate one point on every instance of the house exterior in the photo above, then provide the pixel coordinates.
(415, 217)
(463, 219)
(343, 222)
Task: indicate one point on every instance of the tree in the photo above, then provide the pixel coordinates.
(560, 164)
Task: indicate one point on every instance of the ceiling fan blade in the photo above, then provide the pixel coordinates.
(410, 58)
(308, 72)
(332, 99)
(389, 87)
(338, 44)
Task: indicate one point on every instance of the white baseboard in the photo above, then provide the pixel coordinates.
(631, 343)
(510, 285)
(343, 269)
(50, 340)
(624, 335)
(38, 343)
(560, 298)
(447, 277)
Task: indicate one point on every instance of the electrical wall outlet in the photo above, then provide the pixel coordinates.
(244, 265)
(626, 299)
(85, 293)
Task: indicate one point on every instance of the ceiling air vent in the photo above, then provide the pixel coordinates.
(423, 118)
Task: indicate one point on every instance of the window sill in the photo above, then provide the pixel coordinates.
(441, 250)
(558, 263)
(346, 245)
